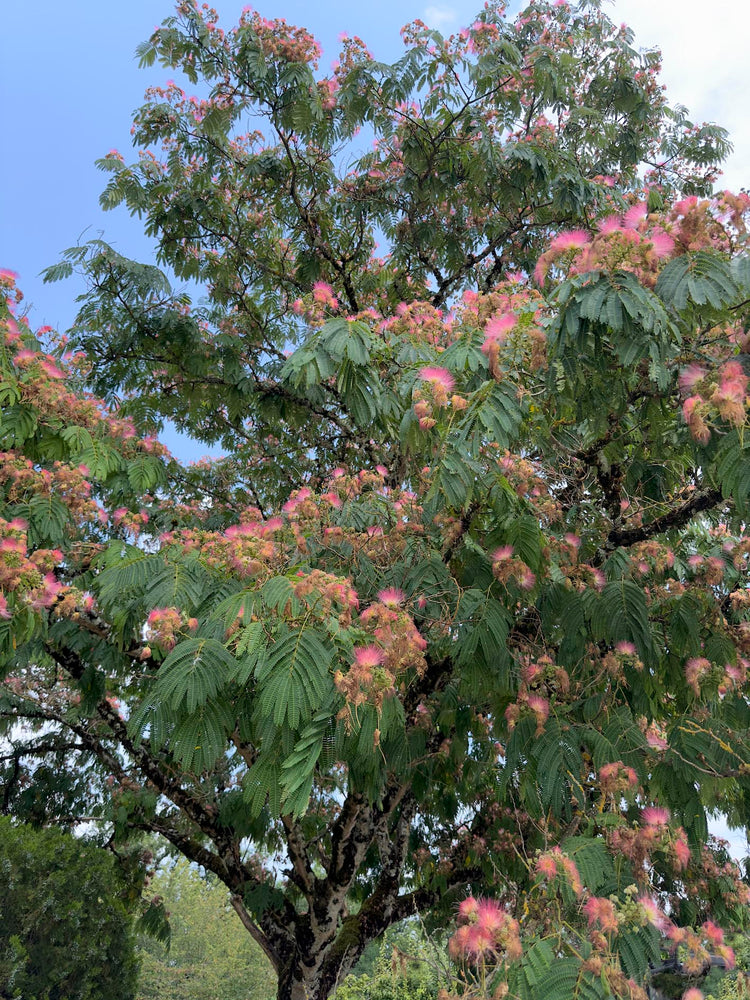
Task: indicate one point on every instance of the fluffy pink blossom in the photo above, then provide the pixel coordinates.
(655, 739)
(50, 369)
(695, 670)
(573, 239)
(655, 816)
(467, 908)
(497, 328)
(503, 553)
(323, 293)
(392, 597)
(368, 656)
(635, 215)
(612, 224)
(684, 206)
(681, 852)
(691, 376)
(539, 706)
(546, 866)
(441, 376)
(654, 914)
(662, 243)
(601, 912)
(713, 932)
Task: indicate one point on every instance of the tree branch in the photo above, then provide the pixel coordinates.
(676, 518)
(254, 931)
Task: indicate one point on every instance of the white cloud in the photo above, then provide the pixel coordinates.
(704, 56)
(441, 18)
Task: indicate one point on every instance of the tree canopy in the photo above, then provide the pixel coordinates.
(462, 611)
(66, 918)
(210, 956)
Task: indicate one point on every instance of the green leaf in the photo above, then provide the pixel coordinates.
(621, 613)
(697, 279)
(194, 671)
(200, 739)
(298, 769)
(293, 679)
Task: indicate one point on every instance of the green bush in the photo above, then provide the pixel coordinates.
(65, 921)
(406, 966)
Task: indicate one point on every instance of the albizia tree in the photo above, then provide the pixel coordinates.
(463, 611)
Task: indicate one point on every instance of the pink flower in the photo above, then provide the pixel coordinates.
(479, 940)
(546, 866)
(635, 215)
(653, 914)
(662, 242)
(50, 369)
(497, 329)
(692, 994)
(368, 656)
(655, 739)
(392, 597)
(440, 376)
(602, 912)
(655, 816)
(491, 915)
(691, 376)
(695, 669)
(323, 293)
(681, 853)
(503, 553)
(467, 908)
(686, 205)
(574, 239)
(625, 648)
(713, 932)
(539, 706)
(612, 224)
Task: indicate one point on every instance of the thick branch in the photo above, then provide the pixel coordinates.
(302, 873)
(676, 518)
(151, 767)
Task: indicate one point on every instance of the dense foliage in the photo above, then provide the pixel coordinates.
(66, 915)
(210, 955)
(463, 610)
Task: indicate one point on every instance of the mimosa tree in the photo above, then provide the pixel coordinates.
(462, 611)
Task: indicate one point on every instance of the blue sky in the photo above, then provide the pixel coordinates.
(70, 81)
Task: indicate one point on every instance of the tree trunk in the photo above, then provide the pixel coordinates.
(295, 985)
